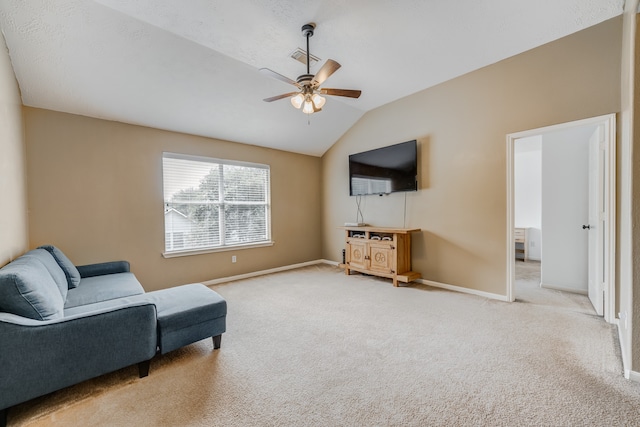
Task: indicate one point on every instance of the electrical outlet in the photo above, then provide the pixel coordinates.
(233, 258)
(532, 244)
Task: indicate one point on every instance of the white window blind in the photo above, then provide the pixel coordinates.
(213, 203)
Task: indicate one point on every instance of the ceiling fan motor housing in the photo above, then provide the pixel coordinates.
(304, 79)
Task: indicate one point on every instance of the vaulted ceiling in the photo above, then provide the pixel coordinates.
(192, 66)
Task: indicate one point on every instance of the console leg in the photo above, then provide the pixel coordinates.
(143, 368)
(216, 341)
(3, 417)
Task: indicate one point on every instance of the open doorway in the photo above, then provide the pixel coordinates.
(566, 213)
(528, 219)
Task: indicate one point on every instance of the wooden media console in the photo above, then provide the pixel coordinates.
(384, 252)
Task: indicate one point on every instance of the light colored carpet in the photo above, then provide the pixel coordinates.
(528, 290)
(313, 347)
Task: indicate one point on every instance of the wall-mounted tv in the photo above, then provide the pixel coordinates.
(384, 170)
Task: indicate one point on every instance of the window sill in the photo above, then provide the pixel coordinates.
(175, 254)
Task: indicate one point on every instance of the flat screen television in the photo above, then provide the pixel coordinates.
(384, 170)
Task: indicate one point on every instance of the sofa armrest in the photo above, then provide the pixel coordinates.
(39, 357)
(100, 269)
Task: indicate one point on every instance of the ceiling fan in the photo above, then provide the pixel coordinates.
(309, 94)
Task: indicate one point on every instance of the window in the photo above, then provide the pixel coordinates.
(212, 204)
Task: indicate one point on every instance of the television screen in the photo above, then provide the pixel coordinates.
(384, 170)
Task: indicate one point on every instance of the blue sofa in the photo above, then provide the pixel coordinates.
(61, 324)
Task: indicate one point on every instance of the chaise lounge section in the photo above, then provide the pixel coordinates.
(61, 324)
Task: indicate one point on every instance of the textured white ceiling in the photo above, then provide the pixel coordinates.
(192, 66)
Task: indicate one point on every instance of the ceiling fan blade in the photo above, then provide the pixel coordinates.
(273, 74)
(284, 95)
(325, 72)
(341, 92)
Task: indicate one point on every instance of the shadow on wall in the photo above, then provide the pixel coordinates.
(424, 160)
(418, 245)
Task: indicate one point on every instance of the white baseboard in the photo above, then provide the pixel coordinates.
(564, 289)
(632, 375)
(463, 290)
(334, 263)
(263, 272)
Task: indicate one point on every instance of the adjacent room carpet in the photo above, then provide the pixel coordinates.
(313, 347)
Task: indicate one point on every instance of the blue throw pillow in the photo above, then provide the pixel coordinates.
(28, 290)
(52, 266)
(70, 270)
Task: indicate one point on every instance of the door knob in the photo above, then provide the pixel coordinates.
(586, 227)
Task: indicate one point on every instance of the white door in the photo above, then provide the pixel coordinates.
(564, 209)
(595, 227)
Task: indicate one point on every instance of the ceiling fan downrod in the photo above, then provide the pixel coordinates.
(307, 31)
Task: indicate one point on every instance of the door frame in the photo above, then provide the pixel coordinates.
(609, 125)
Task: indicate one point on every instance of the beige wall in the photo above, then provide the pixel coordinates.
(95, 190)
(13, 196)
(461, 126)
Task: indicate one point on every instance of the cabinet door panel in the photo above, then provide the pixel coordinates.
(357, 254)
(381, 257)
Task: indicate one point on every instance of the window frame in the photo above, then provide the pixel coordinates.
(221, 207)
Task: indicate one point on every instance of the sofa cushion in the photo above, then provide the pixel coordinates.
(112, 304)
(70, 270)
(102, 288)
(28, 290)
(52, 267)
(187, 314)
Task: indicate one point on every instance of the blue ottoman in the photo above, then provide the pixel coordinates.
(187, 314)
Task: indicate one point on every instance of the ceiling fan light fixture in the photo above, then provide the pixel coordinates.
(297, 100)
(308, 107)
(318, 101)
